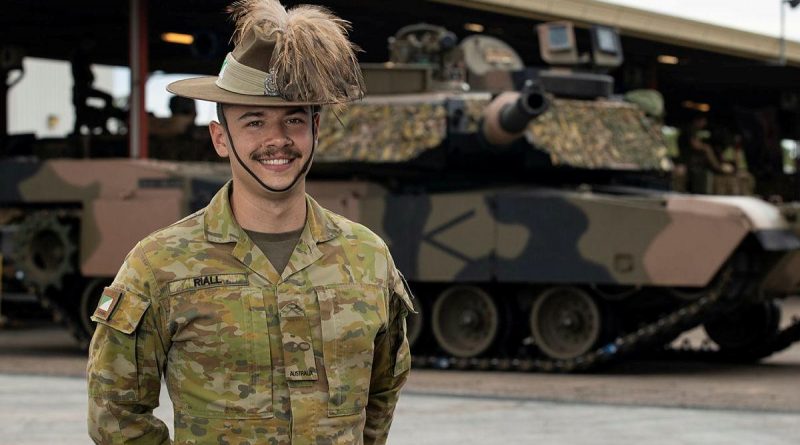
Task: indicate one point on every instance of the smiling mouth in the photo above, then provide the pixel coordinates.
(280, 161)
(276, 164)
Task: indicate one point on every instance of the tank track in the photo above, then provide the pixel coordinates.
(60, 300)
(705, 352)
(673, 323)
(667, 326)
(36, 223)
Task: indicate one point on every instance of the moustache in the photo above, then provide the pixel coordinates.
(272, 152)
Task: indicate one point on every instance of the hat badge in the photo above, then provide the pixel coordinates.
(271, 84)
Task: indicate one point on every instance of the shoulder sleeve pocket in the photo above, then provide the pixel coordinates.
(120, 310)
(115, 363)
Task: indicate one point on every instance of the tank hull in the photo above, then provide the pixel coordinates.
(622, 261)
(514, 253)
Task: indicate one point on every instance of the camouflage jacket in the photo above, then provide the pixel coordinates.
(316, 355)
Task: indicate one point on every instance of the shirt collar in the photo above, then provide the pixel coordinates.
(222, 227)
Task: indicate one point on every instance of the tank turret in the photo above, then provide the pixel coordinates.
(435, 92)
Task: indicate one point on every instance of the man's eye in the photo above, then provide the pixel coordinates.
(254, 124)
(295, 121)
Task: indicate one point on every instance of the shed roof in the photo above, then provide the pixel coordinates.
(645, 24)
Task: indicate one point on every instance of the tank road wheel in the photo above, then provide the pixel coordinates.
(743, 334)
(465, 321)
(90, 296)
(565, 322)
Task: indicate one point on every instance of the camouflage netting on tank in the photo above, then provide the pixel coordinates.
(600, 134)
(584, 134)
(381, 132)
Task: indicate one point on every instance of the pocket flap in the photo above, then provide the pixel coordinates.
(120, 310)
(402, 290)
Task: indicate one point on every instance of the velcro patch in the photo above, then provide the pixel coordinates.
(108, 301)
(292, 310)
(215, 280)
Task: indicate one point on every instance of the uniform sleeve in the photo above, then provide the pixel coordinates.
(391, 365)
(126, 357)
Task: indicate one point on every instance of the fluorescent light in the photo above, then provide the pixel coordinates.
(474, 27)
(175, 37)
(668, 60)
(699, 106)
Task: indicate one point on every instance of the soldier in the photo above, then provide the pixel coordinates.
(180, 124)
(699, 157)
(272, 319)
(83, 89)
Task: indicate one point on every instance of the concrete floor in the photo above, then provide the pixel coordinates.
(43, 401)
(42, 410)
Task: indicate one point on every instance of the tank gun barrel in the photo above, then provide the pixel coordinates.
(508, 115)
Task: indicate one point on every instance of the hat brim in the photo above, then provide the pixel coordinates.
(205, 88)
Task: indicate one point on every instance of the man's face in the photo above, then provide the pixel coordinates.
(273, 142)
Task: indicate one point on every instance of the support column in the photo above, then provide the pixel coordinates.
(3, 105)
(137, 136)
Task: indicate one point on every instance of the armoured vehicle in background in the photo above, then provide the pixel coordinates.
(559, 246)
(535, 229)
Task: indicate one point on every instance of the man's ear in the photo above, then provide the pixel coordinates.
(219, 138)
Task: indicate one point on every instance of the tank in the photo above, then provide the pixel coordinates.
(528, 208)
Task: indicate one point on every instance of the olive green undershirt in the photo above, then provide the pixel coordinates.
(277, 247)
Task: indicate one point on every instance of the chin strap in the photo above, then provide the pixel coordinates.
(300, 174)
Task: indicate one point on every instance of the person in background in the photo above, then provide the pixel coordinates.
(699, 156)
(83, 90)
(180, 122)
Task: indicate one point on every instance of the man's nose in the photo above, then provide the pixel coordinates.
(276, 136)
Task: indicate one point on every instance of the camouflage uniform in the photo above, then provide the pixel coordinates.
(316, 355)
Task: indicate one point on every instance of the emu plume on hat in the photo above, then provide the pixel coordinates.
(282, 58)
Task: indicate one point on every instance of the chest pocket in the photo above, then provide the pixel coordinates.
(351, 316)
(219, 361)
